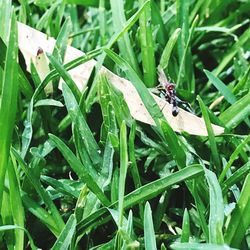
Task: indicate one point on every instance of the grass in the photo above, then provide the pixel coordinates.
(78, 172)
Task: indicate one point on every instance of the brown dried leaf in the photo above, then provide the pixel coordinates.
(30, 40)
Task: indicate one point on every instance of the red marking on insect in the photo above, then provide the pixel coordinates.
(170, 87)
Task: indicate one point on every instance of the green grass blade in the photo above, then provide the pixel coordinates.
(48, 102)
(123, 171)
(65, 238)
(93, 3)
(28, 131)
(47, 16)
(185, 227)
(160, 210)
(169, 48)
(146, 192)
(82, 153)
(25, 86)
(210, 132)
(149, 234)
(65, 75)
(60, 186)
(102, 22)
(182, 22)
(124, 43)
(82, 126)
(146, 97)
(15, 227)
(223, 89)
(199, 246)
(132, 158)
(147, 46)
(79, 169)
(240, 219)
(8, 101)
(16, 202)
(154, 188)
(118, 34)
(232, 52)
(39, 212)
(5, 17)
(62, 40)
(233, 157)
(58, 221)
(237, 176)
(216, 216)
(243, 83)
(174, 144)
(81, 202)
(187, 55)
(201, 209)
(236, 113)
(157, 20)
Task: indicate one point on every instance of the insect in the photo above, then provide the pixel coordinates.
(167, 91)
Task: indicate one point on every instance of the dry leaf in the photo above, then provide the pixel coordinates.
(30, 40)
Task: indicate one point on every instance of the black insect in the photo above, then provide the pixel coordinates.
(167, 91)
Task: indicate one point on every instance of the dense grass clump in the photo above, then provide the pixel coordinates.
(77, 171)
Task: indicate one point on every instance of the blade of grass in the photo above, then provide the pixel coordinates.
(119, 104)
(185, 227)
(240, 219)
(62, 40)
(229, 56)
(45, 20)
(216, 215)
(199, 246)
(102, 22)
(149, 233)
(15, 227)
(27, 133)
(233, 157)
(237, 176)
(161, 210)
(119, 21)
(237, 112)
(157, 20)
(132, 158)
(123, 171)
(65, 238)
(58, 221)
(39, 212)
(186, 55)
(6, 219)
(65, 75)
(93, 3)
(49, 102)
(16, 202)
(118, 34)
(8, 101)
(82, 126)
(25, 86)
(146, 97)
(147, 46)
(169, 48)
(79, 169)
(5, 17)
(60, 186)
(223, 89)
(210, 132)
(174, 145)
(201, 209)
(144, 193)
